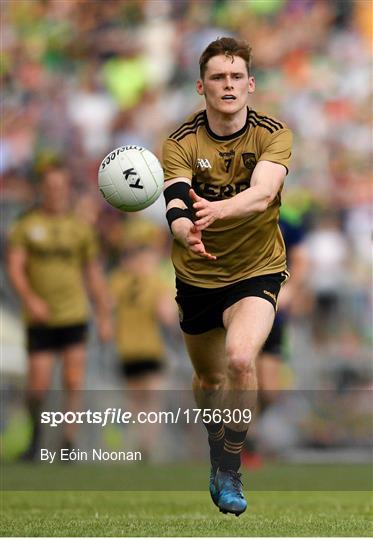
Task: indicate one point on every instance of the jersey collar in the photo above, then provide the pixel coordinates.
(227, 137)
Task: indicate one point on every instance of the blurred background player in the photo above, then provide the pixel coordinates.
(143, 304)
(329, 258)
(51, 255)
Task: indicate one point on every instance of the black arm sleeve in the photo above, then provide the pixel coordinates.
(179, 190)
(176, 213)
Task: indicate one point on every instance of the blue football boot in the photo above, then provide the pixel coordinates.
(229, 492)
(213, 490)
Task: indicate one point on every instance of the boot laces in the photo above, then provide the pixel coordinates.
(236, 481)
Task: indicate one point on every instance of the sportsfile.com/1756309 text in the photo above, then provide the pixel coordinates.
(120, 416)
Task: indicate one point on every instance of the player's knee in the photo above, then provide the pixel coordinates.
(211, 382)
(240, 364)
(73, 381)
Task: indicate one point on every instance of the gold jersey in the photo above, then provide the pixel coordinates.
(138, 334)
(220, 167)
(57, 249)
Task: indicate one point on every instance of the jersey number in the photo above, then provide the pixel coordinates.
(227, 162)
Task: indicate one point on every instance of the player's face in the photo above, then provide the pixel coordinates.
(226, 84)
(56, 191)
(144, 260)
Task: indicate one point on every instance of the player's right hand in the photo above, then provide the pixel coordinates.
(195, 244)
(37, 309)
(190, 237)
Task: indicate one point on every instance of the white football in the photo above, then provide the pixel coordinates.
(130, 178)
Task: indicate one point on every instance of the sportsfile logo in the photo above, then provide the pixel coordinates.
(115, 153)
(203, 163)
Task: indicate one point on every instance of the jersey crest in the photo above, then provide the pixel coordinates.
(249, 160)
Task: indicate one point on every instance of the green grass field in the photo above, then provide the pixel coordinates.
(88, 513)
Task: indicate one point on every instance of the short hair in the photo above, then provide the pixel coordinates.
(54, 167)
(229, 47)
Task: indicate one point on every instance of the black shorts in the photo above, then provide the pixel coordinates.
(274, 343)
(137, 368)
(55, 338)
(202, 309)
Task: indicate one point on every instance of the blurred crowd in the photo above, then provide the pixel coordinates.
(82, 77)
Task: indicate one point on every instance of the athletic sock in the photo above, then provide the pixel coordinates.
(216, 441)
(230, 459)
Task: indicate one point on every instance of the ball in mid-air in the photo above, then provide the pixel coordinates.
(130, 178)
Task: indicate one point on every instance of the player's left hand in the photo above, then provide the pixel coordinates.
(206, 211)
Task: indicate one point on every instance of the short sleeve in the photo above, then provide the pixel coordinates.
(277, 148)
(175, 161)
(17, 235)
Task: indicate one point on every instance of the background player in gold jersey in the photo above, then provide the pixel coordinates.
(228, 252)
(51, 254)
(143, 302)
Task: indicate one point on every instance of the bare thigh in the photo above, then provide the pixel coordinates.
(207, 352)
(145, 393)
(40, 370)
(74, 364)
(248, 323)
(149, 381)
